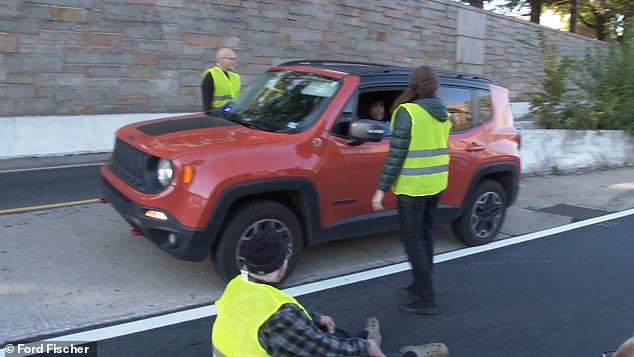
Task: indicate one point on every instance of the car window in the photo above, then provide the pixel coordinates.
(382, 97)
(484, 105)
(284, 101)
(459, 104)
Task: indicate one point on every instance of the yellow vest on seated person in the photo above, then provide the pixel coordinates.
(242, 309)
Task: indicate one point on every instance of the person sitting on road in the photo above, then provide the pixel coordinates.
(256, 319)
(626, 349)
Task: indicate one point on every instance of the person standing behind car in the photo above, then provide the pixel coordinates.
(417, 169)
(220, 85)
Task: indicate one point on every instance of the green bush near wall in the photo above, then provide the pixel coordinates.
(604, 88)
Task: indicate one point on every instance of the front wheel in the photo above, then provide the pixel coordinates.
(247, 221)
(483, 215)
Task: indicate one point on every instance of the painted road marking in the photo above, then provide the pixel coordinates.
(48, 206)
(209, 311)
(51, 168)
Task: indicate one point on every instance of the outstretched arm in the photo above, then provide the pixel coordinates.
(289, 332)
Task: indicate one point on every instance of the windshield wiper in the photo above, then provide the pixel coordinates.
(245, 121)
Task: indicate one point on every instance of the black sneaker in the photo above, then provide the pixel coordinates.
(419, 307)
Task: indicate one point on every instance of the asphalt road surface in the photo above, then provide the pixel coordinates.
(568, 294)
(36, 187)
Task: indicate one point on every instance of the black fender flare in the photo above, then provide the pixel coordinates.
(307, 203)
(511, 184)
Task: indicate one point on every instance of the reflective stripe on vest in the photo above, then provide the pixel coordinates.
(425, 170)
(225, 88)
(242, 309)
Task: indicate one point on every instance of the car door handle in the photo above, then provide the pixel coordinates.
(475, 147)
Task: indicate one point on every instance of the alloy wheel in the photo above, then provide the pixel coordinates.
(486, 215)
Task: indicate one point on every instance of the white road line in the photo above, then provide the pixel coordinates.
(51, 168)
(208, 311)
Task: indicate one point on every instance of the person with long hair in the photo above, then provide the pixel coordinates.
(417, 169)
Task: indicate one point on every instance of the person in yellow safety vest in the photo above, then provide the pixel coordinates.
(220, 85)
(417, 169)
(256, 319)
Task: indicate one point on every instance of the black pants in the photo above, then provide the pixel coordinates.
(416, 220)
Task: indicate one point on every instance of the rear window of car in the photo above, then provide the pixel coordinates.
(458, 101)
(468, 107)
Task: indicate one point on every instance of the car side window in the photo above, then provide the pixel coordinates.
(484, 105)
(375, 104)
(460, 106)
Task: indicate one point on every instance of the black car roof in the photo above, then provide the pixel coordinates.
(364, 69)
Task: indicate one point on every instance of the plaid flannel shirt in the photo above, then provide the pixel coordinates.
(289, 332)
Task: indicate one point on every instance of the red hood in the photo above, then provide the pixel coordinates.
(169, 138)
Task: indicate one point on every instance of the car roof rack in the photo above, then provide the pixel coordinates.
(463, 75)
(330, 63)
(365, 68)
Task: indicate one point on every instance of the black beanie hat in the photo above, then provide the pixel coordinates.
(264, 252)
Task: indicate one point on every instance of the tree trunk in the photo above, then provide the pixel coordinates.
(574, 16)
(477, 3)
(600, 30)
(536, 10)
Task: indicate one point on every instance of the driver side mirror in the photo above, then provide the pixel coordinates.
(363, 130)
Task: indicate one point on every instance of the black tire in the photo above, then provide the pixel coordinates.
(483, 215)
(247, 220)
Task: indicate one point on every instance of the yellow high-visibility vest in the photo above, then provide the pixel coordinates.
(242, 309)
(425, 171)
(225, 88)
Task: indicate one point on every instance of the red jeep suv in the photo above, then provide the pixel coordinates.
(296, 152)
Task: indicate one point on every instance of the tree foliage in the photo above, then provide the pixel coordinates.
(534, 7)
(608, 81)
(605, 82)
(607, 18)
(547, 101)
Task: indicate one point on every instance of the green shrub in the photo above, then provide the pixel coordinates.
(606, 88)
(608, 81)
(548, 101)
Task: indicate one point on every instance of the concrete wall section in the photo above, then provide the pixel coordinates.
(71, 57)
(59, 135)
(555, 151)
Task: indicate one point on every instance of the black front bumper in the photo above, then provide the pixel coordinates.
(192, 244)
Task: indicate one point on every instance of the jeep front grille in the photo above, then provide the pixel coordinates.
(134, 167)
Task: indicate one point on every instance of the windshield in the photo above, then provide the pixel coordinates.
(284, 101)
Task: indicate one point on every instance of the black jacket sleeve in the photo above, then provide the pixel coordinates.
(207, 89)
(398, 149)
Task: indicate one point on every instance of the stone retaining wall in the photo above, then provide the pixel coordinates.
(66, 57)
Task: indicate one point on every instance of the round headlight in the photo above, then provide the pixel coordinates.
(164, 172)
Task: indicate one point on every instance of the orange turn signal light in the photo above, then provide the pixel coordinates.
(188, 174)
